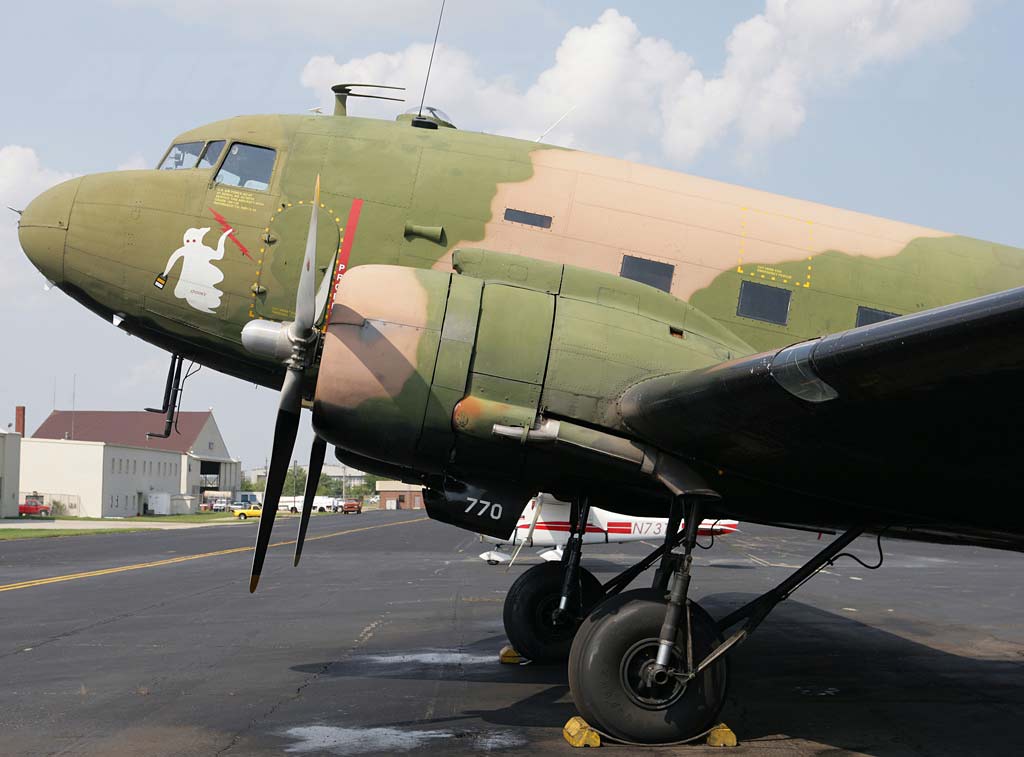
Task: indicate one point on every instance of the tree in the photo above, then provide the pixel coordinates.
(249, 485)
(294, 482)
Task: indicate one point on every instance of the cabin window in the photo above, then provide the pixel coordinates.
(650, 272)
(867, 316)
(764, 303)
(211, 154)
(182, 155)
(530, 219)
(247, 166)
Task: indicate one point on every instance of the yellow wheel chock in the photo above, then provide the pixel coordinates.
(509, 656)
(579, 734)
(721, 735)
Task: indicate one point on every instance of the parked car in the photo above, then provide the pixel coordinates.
(351, 506)
(245, 500)
(219, 507)
(34, 505)
(254, 511)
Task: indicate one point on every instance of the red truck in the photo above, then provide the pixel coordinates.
(351, 506)
(34, 505)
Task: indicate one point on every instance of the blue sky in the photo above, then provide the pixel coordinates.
(910, 109)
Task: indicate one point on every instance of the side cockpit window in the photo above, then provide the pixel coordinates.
(247, 166)
(182, 155)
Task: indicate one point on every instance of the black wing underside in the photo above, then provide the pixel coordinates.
(914, 422)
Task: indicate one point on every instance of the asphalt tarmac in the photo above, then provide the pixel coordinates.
(385, 639)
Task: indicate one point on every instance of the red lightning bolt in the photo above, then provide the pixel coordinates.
(224, 226)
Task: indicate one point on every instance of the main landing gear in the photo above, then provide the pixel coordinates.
(648, 666)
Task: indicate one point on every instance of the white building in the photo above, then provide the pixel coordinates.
(101, 464)
(341, 473)
(10, 449)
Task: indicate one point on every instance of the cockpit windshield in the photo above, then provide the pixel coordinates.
(182, 155)
(247, 166)
(211, 154)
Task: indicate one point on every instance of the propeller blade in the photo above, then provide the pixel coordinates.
(305, 299)
(316, 464)
(285, 431)
(529, 534)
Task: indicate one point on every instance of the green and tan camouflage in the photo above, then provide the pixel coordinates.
(489, 281)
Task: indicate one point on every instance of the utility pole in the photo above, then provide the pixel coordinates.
(295, 478)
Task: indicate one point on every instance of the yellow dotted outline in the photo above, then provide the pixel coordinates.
(266, 230)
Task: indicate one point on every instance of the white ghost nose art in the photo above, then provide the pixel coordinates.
(199, 276)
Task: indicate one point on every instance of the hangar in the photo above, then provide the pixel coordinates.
(101, 463)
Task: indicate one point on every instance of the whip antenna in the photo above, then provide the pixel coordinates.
(431, 63)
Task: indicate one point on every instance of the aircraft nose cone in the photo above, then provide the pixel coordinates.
(43, 228)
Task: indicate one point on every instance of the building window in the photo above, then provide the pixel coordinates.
(867, 316)
(135, 464)
(530, 219)
(111, 465)
(764, 303)
(650, 272)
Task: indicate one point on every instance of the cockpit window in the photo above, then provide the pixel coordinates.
(182, 155)
(211, 154)
(247, 166)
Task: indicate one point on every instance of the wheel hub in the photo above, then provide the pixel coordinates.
(636, 673)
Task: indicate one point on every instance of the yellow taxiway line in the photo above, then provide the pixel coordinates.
(185, 558)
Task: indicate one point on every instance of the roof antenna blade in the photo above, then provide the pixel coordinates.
(431, 63)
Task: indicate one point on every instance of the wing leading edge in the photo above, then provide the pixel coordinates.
(915, 421)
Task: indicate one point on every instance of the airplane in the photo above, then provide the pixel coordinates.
(551, 530)
(489, 318)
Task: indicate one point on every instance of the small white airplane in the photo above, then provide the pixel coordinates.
(545, 523)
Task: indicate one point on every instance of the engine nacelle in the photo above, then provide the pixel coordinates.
(506, 375)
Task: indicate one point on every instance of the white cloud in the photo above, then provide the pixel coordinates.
(796, 48)
(639, 96)
(22, 177)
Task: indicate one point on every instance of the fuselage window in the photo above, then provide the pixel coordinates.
(650, 272)
(182, 155)
(247, 166)
(530, 219)
(764, 303)
(211, 154)
(867, 316)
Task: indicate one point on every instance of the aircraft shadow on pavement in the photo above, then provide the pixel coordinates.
(807, 674)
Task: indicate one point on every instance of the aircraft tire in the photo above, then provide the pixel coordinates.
(528, 608)
(607, 654)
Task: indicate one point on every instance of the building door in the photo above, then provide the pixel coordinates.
(140, 499)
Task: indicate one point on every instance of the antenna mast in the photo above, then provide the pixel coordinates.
(431, 63)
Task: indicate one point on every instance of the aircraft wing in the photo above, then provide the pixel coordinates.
(915, 420)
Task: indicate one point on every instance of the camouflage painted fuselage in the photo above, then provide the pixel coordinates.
(536, 322)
